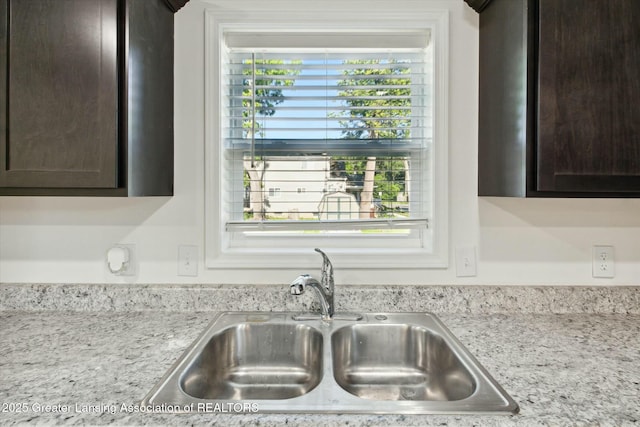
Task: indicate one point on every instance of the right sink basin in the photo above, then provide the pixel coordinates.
(398, 362)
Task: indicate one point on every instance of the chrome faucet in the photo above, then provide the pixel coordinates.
(324, 288)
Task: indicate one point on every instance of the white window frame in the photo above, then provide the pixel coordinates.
(285, 16)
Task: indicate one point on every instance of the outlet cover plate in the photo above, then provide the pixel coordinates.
(603, 265)
(130, 268)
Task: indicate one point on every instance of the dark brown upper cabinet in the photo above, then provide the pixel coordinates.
(559, 112)
(86, 97)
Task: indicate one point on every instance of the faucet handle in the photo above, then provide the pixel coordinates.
(297, 286)
(327, 272)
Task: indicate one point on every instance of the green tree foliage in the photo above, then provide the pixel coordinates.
(389, 178)
(268, 90)
(378, 94)
(369, 87)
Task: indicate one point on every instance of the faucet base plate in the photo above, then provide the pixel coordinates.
(337, 316)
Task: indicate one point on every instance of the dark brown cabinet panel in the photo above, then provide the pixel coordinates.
(86, 97)
(559, 90)
(62, 94)
(589, 88)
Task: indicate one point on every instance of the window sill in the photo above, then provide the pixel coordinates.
(344, 259)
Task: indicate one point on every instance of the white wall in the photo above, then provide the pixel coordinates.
(519, 241)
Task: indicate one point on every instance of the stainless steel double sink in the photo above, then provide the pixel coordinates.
(384, 363)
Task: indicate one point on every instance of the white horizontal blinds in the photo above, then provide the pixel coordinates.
(312, 99)
(333, 138)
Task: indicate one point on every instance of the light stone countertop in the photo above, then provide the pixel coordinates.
(573, 369)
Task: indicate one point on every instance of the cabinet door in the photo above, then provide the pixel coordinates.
(58, 93)
(589, 96)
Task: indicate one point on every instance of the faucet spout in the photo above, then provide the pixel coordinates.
(323, 288)
(326, 278)
(303, 281)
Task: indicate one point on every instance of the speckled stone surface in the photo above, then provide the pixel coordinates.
(570, 356)
(437, 299)
(562, 369)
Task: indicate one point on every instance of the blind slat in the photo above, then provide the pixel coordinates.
(287, 225)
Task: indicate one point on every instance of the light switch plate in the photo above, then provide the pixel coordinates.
(466, 262)
(187, 260)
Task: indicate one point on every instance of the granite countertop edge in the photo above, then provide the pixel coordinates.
(470, 299)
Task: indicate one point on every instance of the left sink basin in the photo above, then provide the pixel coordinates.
(255, 360)
(244, 357)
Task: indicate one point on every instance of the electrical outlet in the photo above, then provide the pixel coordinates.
(466, 262)
(121, 259)
(187, 260)
(603, 262)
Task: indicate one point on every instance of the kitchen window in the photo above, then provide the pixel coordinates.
(330, 136)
